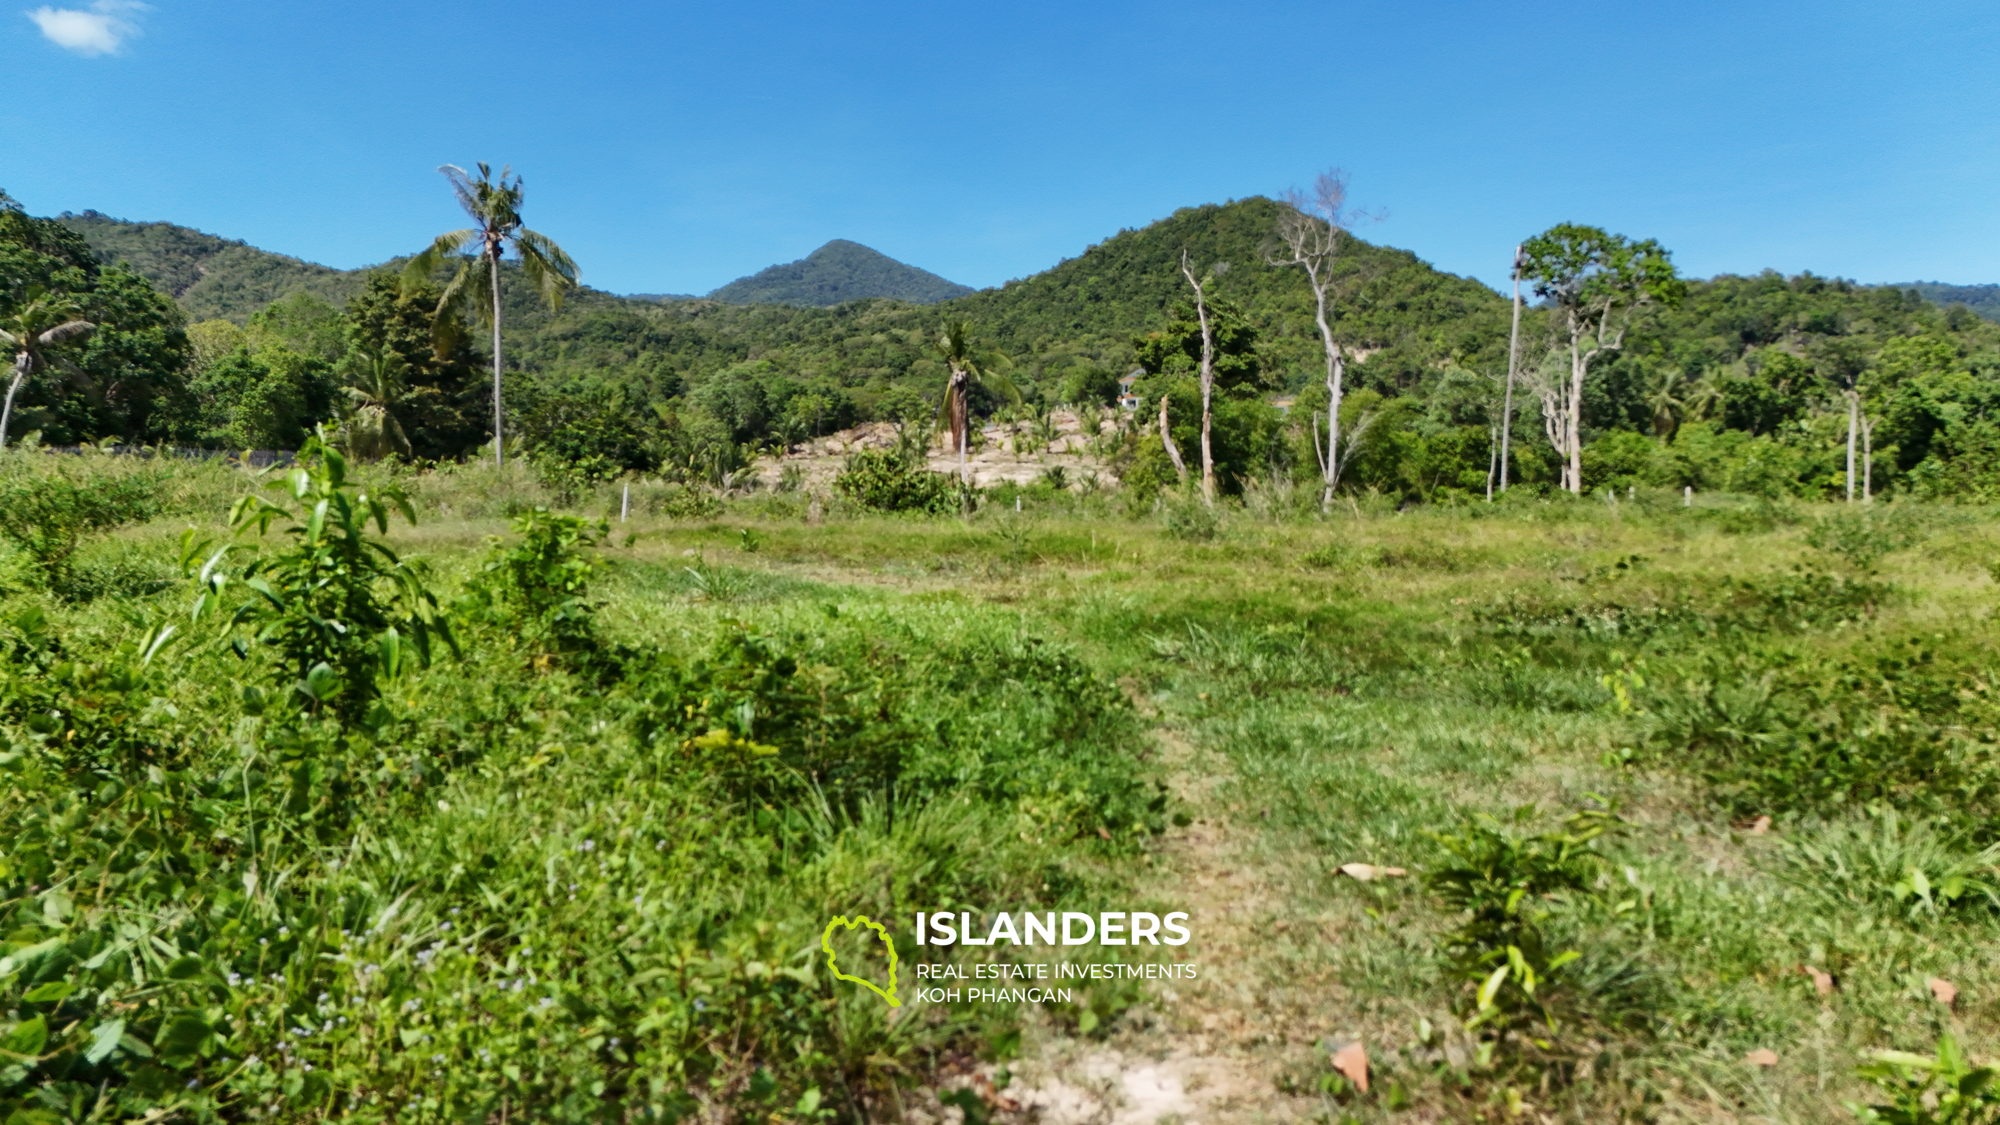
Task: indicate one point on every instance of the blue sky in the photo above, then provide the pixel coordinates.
(672, 147)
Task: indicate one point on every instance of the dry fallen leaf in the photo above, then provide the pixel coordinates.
(992, 1097)
(1352, 1061)
(1945, 991)
(1762, 1056)
(1368, 871)
(1823, 981)
(1760, 826)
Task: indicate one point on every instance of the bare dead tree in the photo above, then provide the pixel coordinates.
(1513, 360)
(1311, 233)
(1548, 380)
(1867, 459)
(1209, 377)
(1167, 439)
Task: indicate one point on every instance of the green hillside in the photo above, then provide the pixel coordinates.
(1982, 299)
(1085, 310)
(208, 276)
(836, 273)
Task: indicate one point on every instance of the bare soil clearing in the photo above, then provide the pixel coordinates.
(1003, 453)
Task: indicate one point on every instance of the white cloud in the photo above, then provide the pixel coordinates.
(99, 31)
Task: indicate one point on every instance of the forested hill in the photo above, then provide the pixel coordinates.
(836, 273)
(1097, 302)
(1982, 299)
(1083, 312)
(208, 276)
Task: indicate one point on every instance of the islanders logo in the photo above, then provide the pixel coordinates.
(826, 943)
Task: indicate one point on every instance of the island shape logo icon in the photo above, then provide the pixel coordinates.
(826, 943)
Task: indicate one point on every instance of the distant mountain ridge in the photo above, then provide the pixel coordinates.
(836, 273)
(212, 277)
(1982, 299)
(209, 276)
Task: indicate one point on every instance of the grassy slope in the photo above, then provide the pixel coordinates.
(1336, 715)
(1337, 711)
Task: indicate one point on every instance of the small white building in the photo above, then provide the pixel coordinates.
(1126, 399)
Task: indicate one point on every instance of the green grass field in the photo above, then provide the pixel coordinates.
(578, 870)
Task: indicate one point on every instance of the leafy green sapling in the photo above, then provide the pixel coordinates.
(340, 609)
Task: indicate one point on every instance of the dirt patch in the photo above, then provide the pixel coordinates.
(1017, 452)
(1208, 1050)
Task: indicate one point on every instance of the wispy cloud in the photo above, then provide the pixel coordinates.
(100, 30)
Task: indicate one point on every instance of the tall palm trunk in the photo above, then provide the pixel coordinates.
(961, 421)
(22, 363)
(499, 439)
(1513, 358)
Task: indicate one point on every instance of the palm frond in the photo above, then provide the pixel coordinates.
(545, 265)
(463, 187)
(69, 330)
(468, 295)
(997, 384)
(8, 339)
(420, 268)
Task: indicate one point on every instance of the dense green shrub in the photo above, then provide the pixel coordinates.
(46, 515)
(1503, 880)
(538, 591)
(883, 482)
(1862, 537)
(1769, 732)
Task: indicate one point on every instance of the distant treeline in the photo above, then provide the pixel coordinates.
(1742, 386)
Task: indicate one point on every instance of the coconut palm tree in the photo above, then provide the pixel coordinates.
(41, 323)
(1663, 399)
(495, 207)
(969, 367)
(371, 429)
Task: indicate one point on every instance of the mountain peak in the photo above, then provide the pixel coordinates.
(837, 272)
